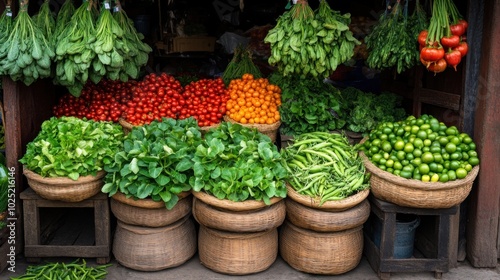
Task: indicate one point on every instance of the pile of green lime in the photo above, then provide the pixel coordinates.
(422, 149)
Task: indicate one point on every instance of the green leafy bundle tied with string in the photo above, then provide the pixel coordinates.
(26, 54)
(6, 24)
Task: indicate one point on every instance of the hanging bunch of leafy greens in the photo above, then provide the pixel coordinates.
(26, 54)
(62, 20)
(45, 20)
(156, 161)
(74, 53)
(392, 42)
(6, 23)
(240, 64)
(108, 61)
(133, 50)
(238, 163)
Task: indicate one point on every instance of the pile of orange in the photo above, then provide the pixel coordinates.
(253, 101)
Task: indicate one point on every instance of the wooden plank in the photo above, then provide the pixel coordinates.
(484, 209)
(4, 250)
(67, 251)
(440, 98)
(102, 223)
(31, 223)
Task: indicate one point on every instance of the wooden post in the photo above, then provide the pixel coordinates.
(482, 227)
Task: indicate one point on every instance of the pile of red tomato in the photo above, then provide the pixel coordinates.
(154, 97)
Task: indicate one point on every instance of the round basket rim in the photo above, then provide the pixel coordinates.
(337, 205)
(232, 205)
(416, 184)
(260, 127)
(309, 232)
(153, 230)
(145, 202)
(62, 181)
(208, 127)
(235, 235)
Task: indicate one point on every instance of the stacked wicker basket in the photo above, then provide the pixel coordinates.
(149, 237)
(250, 226)
(326, 239)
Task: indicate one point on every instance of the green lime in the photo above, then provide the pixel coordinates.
(409, 156)
(443, 140)
(400, 155)
(376, 158)
(468, 167)
(399, 145)
(431, 135)
(416, 162)
(400, 131)
(452, 175)
(376, 142)
(455, 140)
(435, 149)
(426, 178)
(408, 148)
(472, 153)
(461, 173)
(397, 165)
(473, 161)
(440, 168)
(405, 174)
(386, 130)
(417, 153)
(472, 146)
(389, 169)
(421, 134)
(467, 139)
(396, 172)
(443, 177)
(382, 161)
(465, 156)
(389, 163)
(450, 147)
(454, 165)
(414, 129)
(405, 162)
(417, 176)
(407, 128)
(381, 166)
(423, 168)
(427, 142)
(445, 156)
(386, 146)
(452, 130)
(418, 143)
(456, 156)
(427, 157)
(383, 137)
(386, 155)
(433, 167)
(408, 168)
(438, 157)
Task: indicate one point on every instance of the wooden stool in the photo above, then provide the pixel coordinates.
(68, 238)
(435, 255)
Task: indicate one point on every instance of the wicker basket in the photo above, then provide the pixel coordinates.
(205, 129)
(237, 253)
(239, 221)
(65, 189)
(271, 130)
(130, 211)
(414, 193)
(327, 221)
(333, 205)
(232, 205)
(153, 249)
(328, 253)
(126, 126)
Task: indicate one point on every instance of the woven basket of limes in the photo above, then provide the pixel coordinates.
(420, 162)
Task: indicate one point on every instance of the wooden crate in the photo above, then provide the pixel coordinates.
(81, 230)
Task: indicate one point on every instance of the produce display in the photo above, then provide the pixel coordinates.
(308, 105)
(310, 43)
(363, 111)
(253, 101)
(6, 23)
(25, 54)
(55, 270)
(72, 147)
(324, 166)
(155, 162)
(422, 149)
(205, 101)
(238, 163)
(46, 22)
(392, 41)
(240, 64)
(443, 44)
(104, 101)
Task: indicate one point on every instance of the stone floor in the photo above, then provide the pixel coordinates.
(280, 270)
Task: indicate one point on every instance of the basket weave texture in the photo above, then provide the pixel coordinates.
(271, 130)
(333, 205)
(232, 205)
(237, 253)
(261, 219)
(153, 249)
(132, 214)
(65, 189)
(327, 221)
(328, 253)
(414, 193)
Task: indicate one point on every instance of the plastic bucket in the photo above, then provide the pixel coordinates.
(406, 226)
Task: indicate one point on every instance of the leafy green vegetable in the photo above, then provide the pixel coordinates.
(156, 161)
(72, 147)
(308, 105)
(6, 23)
(4, 188)
(63, 18)
(46, 21)
(366, 110)
(238, 163)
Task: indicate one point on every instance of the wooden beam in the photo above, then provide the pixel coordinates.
(482, 227)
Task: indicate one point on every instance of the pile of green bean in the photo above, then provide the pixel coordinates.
(324, 165)
(63, 271)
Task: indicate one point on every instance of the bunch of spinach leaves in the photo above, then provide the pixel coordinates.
(238, 163)
(308, 105)
(72, 147)
(365, 110)
(156, 161)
